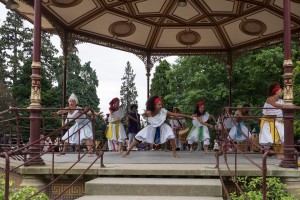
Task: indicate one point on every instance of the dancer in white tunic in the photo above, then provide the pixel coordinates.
(199, 132)
(116, 132)
(81, 131)
(239, 130)
(271, 126)
(177, 123)
(157, 132)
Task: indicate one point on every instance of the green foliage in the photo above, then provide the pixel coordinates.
(197, 78)
(296, 90)
(252, 188)
(128, 92)
(20, 193)
(160, 83)
(15, 40)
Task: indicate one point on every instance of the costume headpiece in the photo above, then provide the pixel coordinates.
(74, 97)
(157, 100)
(200, 103)
(275, 89)
(112, 102)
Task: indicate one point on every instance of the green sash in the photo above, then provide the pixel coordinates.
(200, 133)
(200, 138)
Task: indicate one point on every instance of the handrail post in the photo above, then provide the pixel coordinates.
(7, 169)
(264, 174)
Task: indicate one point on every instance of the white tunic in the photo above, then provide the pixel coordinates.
(265, 136)
(120, 113)
(236, 135)
(195, 131)
(147, 134)
(81, 130)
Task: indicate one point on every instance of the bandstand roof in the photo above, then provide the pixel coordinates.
(162, 27)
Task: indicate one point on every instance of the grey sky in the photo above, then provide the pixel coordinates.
(109, 64)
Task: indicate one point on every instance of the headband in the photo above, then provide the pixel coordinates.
(200, 103)
(157, 100)
(275, 89)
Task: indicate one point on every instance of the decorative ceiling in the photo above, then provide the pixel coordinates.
(163, 27)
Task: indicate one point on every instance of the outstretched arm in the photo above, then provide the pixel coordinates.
(178, 115)
(60, 112)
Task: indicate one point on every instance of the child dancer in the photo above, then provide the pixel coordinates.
(116, 132)
(199, 132)
(158, 132)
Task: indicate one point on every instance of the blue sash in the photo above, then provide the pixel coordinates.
(157, 136)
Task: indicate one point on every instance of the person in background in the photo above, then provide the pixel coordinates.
(134, 124)
(176, 124)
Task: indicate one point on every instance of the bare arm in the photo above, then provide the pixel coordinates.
(272, 101)
(171, 114)
(60, 112)
(113, 116)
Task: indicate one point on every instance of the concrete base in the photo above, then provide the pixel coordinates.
(154, 187)
(35, 181)
(293, 186)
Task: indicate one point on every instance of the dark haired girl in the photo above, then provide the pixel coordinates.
(199, 132)
(158, 132)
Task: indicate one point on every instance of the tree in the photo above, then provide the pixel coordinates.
(5, 97)
(15, 42)
(81, 80)
(160, 82)
(198, 78)
(128, 91)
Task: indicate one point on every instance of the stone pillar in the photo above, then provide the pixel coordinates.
(35, 97)
(288, 114)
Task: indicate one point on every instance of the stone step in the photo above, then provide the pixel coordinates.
(154, 187)
(111, 197)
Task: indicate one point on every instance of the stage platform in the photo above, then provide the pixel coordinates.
(157, 163)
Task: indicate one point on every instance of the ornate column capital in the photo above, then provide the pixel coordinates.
(287, 63)
(35, 96)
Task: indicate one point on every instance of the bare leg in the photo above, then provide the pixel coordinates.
(191, 148)
(88, 143)
(172, 142)
(205, 147)
(64, 149)
(121, 147)
(133, 144)
(280, 155)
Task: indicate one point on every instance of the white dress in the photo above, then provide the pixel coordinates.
(194, 135)
(116, 131)
(81, 130)
(265, 135)
(236, 135)
(148, 133)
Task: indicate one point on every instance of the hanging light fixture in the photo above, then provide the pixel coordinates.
(12, 5)
(72, 47)
(181, 3)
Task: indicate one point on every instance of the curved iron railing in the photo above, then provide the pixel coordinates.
(225, 141)
(18, 149)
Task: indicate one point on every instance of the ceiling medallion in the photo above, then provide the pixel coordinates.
(66, 3)
(253, 27)
(122, 29)
(188, 37)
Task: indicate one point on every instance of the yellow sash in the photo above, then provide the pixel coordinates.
(109, 132)
(273, 129)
